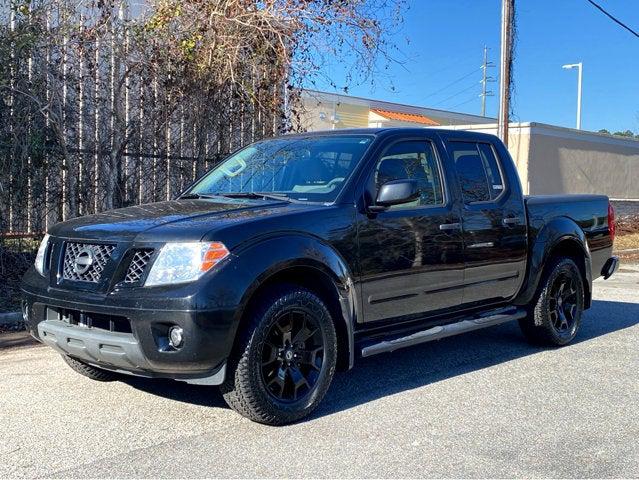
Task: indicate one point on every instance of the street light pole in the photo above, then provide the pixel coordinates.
(579, 90)
(580, 67)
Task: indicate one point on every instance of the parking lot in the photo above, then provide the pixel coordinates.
(482, 404)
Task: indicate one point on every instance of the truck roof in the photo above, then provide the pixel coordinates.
(458, 134)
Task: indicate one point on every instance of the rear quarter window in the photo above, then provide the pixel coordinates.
(493, 171)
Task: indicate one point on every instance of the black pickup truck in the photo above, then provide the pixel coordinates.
(299, 254)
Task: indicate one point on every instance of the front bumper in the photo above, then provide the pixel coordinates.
(138, 344)
(119, 352)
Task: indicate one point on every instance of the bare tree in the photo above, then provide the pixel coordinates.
(106, 103)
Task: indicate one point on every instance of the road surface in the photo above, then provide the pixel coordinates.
(484, 404)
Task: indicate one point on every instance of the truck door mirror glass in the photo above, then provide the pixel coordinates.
(397, 192)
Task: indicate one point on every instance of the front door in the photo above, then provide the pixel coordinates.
(411, 254)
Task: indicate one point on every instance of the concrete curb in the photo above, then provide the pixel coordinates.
(11, 319)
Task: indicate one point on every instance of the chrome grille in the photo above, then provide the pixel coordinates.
(84, 262)
(138, 265)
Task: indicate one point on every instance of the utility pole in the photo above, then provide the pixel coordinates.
(484, 82)
(507, 14)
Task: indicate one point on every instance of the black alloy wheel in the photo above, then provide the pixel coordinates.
(563, 303)
(292, 355)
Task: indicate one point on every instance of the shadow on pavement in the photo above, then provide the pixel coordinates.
(387, 374)
(180, 391)
(16, 339)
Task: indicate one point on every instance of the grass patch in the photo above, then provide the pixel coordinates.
(626, 242)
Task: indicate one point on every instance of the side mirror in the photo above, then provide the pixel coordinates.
(396, 192)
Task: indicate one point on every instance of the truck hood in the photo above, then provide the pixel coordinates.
(166, 221)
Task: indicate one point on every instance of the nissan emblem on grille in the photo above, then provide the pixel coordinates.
(85, 262)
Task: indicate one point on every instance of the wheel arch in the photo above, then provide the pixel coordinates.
(561, 237)
(309, 263)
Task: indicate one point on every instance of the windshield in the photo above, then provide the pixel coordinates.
(310, 168)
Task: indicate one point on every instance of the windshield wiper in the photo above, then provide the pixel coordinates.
(192, 196)
(257, 195)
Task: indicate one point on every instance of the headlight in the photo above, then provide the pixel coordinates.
(184, 262)
(39, 260)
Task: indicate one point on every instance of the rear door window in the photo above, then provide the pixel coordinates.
(478, 171)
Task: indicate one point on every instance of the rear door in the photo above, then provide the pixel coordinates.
(493, 220)
(411, 255)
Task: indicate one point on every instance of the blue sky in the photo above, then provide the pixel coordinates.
(446, 39)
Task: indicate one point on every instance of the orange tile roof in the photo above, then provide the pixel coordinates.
(404, 117)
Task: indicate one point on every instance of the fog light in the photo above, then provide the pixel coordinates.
(176, 336)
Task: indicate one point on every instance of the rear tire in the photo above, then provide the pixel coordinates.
(285, 358)
(555, 316)
(90, 371)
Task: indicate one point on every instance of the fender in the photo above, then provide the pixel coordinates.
(542, 245)
(290, 250)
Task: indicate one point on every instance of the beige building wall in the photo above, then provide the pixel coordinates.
(572, 161)
(325, 116)
(328, 111)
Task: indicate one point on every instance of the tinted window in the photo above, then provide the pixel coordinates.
(478, 171)
(495, 182)
(310, 168)
(416, 161)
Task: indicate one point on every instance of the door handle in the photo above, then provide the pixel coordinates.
(510, 221)
(450, 226)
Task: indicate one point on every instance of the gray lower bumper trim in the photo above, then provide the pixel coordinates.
(120, 350)
(215, 379)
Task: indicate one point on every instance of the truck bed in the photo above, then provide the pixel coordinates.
(588, 212)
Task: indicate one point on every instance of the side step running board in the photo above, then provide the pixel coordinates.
(443, 331)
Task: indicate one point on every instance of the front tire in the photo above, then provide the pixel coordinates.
(90, 371)
(285, 359)
(555, 317)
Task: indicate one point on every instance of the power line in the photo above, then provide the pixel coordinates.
(450, 66)
(454, 82)
(474, 85)
(464, 103)
(600, 8)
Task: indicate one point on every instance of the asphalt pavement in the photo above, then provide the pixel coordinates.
(484, 404)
